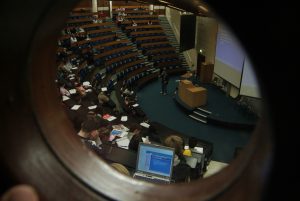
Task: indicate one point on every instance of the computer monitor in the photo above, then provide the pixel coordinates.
(155, 160)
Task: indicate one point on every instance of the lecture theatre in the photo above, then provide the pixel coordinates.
(133, 100)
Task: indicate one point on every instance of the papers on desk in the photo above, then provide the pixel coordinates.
(145, 125)
(123, 142)
(199, 149)
(120, 127)
(72, 91)
(191, 161)
(72, 78)
(146, 140)
(104, 89)
(64, 98)
(135, 105)
(109, 117)
(86, 84)
(74, 68)
(75, 107)
(71, 75)
(92, 107)
(116, 132)
(124, 118)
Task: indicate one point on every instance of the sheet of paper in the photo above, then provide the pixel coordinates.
(199, 149)
(111, 118)
(116, 132)
(124, 118)
(135, 105)
(145, 125)
(72, 91)
(87, 83)
(92, 107)
(123, 142)
(64, 98)
(191, 161)
(74, 68)
(123, 134)
(75, 107)
(104, 89)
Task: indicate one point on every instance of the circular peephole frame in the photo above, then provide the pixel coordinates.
(64, 165)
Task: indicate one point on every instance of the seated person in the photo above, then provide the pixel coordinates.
(134, 24)
(181, 171)
(63, 90)
(89, 135)
(80, 89)
(73, 39)
(105, 100)
(102, 98)
(120, 168)
(135, 137)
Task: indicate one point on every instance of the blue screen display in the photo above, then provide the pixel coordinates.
(157, 160)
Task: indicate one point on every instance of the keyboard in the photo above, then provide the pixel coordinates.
(151, 179)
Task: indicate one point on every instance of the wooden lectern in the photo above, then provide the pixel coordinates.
(191, 95)
(206, 72)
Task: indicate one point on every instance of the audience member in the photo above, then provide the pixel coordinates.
(136, 137)
(120, 168)
(102, 98)
(80, 89)
(64, 91)
(181, 171)
(73, 39)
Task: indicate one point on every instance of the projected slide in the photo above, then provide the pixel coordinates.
(249, 85)
(230, 56)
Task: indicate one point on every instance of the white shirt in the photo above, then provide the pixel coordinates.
(73, 39)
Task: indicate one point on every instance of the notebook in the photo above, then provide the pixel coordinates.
(154, 163)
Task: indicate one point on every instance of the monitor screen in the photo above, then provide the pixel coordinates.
(155, 159)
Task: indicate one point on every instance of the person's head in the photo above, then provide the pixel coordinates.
(120, 168)
(176, 142)
(90, 127)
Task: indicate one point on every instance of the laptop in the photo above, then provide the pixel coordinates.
(154, 163)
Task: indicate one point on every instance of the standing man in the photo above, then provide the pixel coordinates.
(164, 81)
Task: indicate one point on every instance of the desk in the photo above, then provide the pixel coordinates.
(119, 155)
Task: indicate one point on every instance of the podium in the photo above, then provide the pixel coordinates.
(205, 72)
(191, 95)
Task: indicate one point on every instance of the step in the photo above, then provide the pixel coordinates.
(202, 115)
(203, 110)
(197, 119)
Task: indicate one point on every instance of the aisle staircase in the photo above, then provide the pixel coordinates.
(123, 36)
(172, 39)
